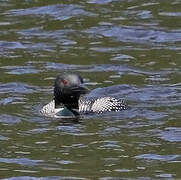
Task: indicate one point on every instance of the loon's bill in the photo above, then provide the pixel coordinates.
(70, 93)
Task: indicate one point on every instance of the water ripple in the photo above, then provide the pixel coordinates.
(8, 119)
(21, 161)
(89, 68)
(158, 95)
(171, 134)
(61, 66)
(59, 11)
(11, 45)
(19, 88)
(172, 14)
(136, 34)
(45, 178)
(100, 2)
(20, 69)
(10, 100)
(158, 157)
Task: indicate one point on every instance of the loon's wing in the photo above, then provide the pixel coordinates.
(49, 109)
(101, 104)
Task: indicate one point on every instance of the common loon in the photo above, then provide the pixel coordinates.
(70, 92)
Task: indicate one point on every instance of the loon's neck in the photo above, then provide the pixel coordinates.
(71, 103)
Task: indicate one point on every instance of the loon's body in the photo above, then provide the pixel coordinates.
(71, 93)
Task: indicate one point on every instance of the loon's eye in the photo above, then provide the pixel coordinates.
(65, 82)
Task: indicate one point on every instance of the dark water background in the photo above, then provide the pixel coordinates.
(132, 45)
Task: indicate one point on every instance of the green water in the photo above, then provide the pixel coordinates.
(130, 47)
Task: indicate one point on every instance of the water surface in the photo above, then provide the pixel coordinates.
(129, 49)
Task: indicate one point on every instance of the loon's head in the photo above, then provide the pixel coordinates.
(68, 88)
